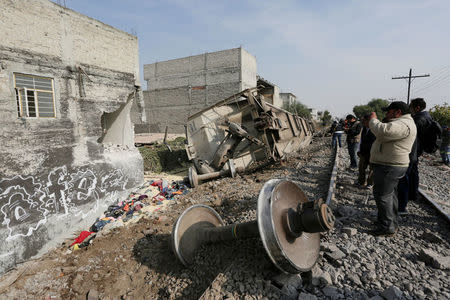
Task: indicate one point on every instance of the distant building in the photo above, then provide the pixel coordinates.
(288, 98)
(180, 87)
(67, 85)
(315, 115)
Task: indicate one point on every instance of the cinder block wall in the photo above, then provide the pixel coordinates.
(180, 87)
(55, 177)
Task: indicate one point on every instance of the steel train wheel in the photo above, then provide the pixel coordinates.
(290, 255)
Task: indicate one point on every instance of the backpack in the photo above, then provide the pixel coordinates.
(432, 133)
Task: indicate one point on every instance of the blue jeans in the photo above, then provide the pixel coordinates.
(338, 137)
(445, 154)
(352, 148)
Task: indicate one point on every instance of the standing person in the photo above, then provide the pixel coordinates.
(389, 157)
(337, 134)
(404, 186)
(424, 123)
(367, 139)
(353, 137)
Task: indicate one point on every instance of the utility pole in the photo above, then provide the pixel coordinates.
(409, 80)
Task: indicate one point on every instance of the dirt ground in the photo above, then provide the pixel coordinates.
(148, 138)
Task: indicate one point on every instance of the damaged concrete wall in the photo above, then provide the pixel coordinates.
(60, 72)
(180, 87)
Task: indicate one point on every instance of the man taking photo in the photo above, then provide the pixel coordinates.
(389, 156)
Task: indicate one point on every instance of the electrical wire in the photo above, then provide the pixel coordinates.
(434, 84)
(437, 75)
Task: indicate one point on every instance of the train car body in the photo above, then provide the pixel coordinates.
(243, 128)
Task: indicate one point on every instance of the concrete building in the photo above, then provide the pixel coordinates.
(315, 114)
(180, 87)
(67, 84)
(288, 98)
(271, 92)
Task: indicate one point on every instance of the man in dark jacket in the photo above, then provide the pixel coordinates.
(353, 138)
(405, 188)
(367, 139)
(423, 120)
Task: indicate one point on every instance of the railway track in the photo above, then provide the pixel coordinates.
(414, 263)
(250, 274)
(330, 274)
(440, 210)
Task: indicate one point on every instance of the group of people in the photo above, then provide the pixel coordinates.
(388, 152)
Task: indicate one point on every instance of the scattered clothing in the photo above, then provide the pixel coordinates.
(83, 235)
(169, 191)
(126, 210)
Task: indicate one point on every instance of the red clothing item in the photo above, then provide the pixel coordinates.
(83, 235)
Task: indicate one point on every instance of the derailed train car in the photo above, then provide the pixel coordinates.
(238, 131)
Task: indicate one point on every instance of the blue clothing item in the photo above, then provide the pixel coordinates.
(352, 149)
(445, 154)
(337, 136)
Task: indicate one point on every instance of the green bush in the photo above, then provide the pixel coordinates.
(157, 157)
(441, 113)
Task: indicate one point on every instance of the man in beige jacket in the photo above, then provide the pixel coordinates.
(389, 157)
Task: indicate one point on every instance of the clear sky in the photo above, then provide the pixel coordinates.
(331, 54)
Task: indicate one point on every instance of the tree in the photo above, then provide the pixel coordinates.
(373, 105)
(299, 109)
(326, 118)
(441, 113)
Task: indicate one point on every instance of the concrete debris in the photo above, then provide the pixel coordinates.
(350, 231)
(92, 295)
(306, 296)
(392, 293)
(432, 258)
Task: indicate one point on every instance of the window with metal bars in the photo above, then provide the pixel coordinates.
(35, 96)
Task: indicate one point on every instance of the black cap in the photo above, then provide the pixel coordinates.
(349, 117)
(398, 105)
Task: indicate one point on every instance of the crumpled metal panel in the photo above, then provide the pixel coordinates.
(246, 129)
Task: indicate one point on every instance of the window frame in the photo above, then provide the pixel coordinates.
(24, 104)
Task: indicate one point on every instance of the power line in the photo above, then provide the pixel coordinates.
(444, 79)
(433, 82)
(437, 72)
(439, 83)
(409, 80)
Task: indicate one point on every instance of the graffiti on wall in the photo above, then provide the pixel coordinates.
(27, 202)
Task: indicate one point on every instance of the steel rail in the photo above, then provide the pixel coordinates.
(333, 178)
(435, 205)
